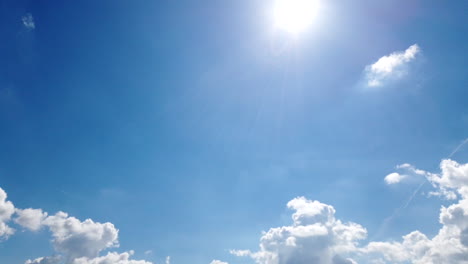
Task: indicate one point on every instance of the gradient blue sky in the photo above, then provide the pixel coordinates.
(190, 124)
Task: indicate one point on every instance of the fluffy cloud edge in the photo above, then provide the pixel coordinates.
(316, 236)
(390, 67)
(75, 241)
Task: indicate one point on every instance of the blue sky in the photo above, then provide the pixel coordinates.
(190, 125)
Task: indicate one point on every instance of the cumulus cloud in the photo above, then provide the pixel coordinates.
(450, 245)
(75, 241)
(452, 180)
(390, 67)
(28, 21)
(31, 219)
(315, 236)
(7, 209)
(394, 178)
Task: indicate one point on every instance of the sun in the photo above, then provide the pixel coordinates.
(295, 16)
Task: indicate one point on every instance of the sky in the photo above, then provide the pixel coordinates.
(239, 132)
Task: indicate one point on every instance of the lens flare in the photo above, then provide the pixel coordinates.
(295, 16)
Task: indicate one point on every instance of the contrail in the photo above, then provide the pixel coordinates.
(458, 148)
(410, 199)
(424, 182)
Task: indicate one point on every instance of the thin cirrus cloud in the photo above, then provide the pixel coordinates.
(390, 67)
(316, 236)
(28, 21)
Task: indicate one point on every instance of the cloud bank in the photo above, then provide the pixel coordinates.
(390, 67)
(316, 236)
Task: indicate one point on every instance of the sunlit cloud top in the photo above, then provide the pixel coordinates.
(393, 66)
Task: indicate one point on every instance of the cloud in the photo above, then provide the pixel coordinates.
(394, 178)
(315, 236)
(390, 67)
(7, 209)
(31, 219)
(28, 21)
(110, 258)
(410, 172)
(168, 260)
(218, 262)
(75, 241)
(450, 245)
(45, 260)
(452, 180)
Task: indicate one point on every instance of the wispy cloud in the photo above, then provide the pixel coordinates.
(390, 67)
(28, 21)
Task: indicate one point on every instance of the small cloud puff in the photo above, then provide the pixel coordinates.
(28, 21)
(390, 67)
(218, 262)
(394, 178)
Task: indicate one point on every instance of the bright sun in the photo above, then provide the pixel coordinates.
(294, 16)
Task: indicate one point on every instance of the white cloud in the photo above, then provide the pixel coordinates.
(168, 260)
(315, 236)
(450, 245)
(28, 21)
(390, 67)
(77, 239)
(7, 209)
(31, 219)
(110, 258)
(45, 260)
(394, 178)
(453, 179)
(77, 242)
(410, 172)
(218, 262)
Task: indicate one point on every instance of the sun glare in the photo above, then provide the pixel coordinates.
(295, 16)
